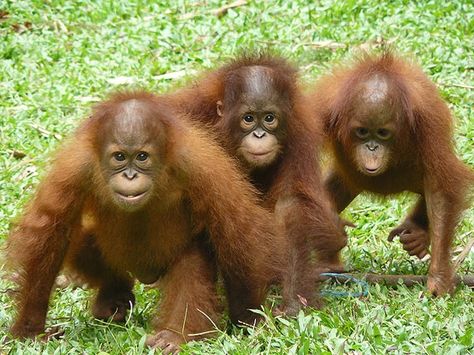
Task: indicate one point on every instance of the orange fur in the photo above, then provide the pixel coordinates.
(292, 184)
(73, 222)
(422, 158)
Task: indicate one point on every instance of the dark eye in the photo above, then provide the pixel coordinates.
(119, 156)
(142, 156)
(362, 132)
(270, 118)
(383, 133)
(248, 118)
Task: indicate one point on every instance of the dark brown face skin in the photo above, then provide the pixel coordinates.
(372, 131)
(129, 179)
(372, 146)
(256, 119)
(129, 161)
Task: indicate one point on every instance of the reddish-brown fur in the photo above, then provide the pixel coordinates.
(422, 157)
(72, 222)
(291, 185)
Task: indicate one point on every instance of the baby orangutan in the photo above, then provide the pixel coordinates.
(256, 107)
(390, 132)
(129, 197)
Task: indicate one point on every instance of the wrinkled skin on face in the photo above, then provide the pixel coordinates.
(128, 160)
(256, 117)
(372, 152)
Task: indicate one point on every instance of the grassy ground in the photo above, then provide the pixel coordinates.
(58, 58)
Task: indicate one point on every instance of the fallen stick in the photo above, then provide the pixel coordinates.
(223, 10)
(393, 280)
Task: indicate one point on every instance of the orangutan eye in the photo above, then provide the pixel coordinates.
(383, 133)
(248, 118)
(119, 156)
(270, 118)
(142, 156)
(362, 132)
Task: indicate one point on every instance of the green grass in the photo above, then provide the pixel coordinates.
(57, 59)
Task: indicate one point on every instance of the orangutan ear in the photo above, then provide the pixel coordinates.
(219, 107)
